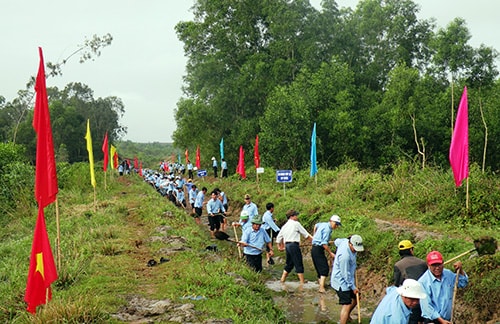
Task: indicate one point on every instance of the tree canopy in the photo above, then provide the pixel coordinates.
(377, 80)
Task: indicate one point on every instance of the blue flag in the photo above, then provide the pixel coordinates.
(222, 148)
(314, 167)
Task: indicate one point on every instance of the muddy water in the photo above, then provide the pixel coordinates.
(304, 304)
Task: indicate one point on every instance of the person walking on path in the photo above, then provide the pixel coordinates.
(250, 207)
(288, 239)
(223, 166)
(198, 205)
(214, 209)
(343, 274)
(255, 237)
(270, 227)
(214, 166)
(190, 169)
(409, 267)
(399, 303)
(438, 284)
(320, 240)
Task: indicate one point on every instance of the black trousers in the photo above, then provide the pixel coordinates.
(254, 261)
(319, 260)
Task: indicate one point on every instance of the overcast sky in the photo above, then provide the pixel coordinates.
(145, 63)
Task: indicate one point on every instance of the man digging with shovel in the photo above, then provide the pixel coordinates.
(438, 284)
(252, 238)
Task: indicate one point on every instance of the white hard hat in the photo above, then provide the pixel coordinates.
(411, 289)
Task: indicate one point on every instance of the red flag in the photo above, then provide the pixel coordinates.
(115, 160)
(42, 271)
(186, 154)
(241, 164)
(136, 163)
(105, 150)
(459, 147)
(198, 163)
(45, 174)
(256, 156)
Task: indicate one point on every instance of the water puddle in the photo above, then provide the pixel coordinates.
(304, 304)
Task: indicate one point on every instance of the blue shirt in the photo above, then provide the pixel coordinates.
(391, 310)
(344, 267)
(215, 206)
(224, 197)
(268, 220)
(179, 195)
(223, 165)
(322, 234)
(214, 163)
(439, 293)
(251, 209)
(199, 199)
(256, 238)
(192, 195)
(245, 225)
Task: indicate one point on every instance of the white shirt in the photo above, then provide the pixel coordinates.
(291, 231)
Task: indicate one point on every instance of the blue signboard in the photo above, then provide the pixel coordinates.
(202, 173)
(283, 175)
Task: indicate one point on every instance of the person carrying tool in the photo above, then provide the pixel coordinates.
(438, 284)
(289, 239)
(344, 273)
(252, 240)
(398, 303)
(409, 267)
(321, 237)
(214, 209)
(198, 205)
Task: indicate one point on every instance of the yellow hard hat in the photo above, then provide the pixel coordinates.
(405, 245)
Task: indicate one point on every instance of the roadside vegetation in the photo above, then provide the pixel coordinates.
(105, 252)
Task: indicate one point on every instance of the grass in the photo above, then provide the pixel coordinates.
(104, 252)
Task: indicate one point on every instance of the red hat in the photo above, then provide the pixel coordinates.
(434, 257)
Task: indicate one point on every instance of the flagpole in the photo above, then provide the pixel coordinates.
(95, 200)
(467, 195)
(58, 240)
(105, 180)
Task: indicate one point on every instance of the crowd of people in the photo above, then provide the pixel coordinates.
(422, 291)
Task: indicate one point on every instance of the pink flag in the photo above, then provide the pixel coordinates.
(459, 148)
(240, 169)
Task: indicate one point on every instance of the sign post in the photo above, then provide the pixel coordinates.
(202, 173)
(283, 176)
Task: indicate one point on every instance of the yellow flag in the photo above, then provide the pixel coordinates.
(88, 137)
(113, 160)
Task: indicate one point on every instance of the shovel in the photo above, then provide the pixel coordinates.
(484, 245)
(225, 237)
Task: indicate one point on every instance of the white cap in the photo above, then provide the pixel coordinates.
(411, 289)
(244, 213)
(336, 219)
(213, 158)
(357, 242)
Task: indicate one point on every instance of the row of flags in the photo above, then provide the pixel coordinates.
(42, 270)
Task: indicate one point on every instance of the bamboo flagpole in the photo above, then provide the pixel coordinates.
(88, 138)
